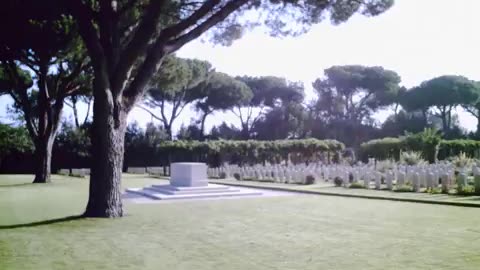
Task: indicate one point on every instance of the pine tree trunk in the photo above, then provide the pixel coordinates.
(478, 127)
(202, 126)
(108, 138)
(75, 114)
(43, 158)
(168, 129)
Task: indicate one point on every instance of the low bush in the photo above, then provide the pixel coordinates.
(403, 188)
(356, 185)
(236, 176)
(434, 190)
(309, 180)
(462, 160)
(222, 175)
(338, 181)
(466, 191)
(411, 158)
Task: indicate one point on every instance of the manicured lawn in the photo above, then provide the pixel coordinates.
(292, 232)
(324, 188)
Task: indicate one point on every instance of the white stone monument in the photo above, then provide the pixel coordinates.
(189, 181)
(189, 174)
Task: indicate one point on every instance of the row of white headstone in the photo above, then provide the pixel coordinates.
(76, 172)
(425, 176)
(276, 173)
(149, 170)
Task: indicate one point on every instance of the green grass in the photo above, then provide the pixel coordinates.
(291, 232)
(404, 193)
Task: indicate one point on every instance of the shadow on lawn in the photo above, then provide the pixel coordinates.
(15, 185)
(40, 223)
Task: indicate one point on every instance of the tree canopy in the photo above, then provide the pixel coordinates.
(172, 88)
(219, 92)
(441, 95)
(268, 92)
(49, 50)
(13, 139)
(354, 92)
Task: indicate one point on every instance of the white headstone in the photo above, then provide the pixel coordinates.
(445, 183)
(416, 182)
(378, 180)
(389, 180)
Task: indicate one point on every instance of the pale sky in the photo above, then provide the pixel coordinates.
(419, 39)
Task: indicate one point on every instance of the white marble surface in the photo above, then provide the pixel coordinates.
(189, 174)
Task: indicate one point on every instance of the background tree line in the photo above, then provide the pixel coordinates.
(268, 108)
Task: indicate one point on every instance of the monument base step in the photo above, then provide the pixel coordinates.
(157, 193)
(179, 190)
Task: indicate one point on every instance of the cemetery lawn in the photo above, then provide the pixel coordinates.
(329, 189)
(291, 232)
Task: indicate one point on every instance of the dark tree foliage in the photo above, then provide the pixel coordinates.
(172, 89)
(41, 46)
(141, 144)
(283, 122)
(225, 132)
(72, 147)
(268, 92)
(219, 92)
(354, 93)
(190, 132)
(398, 124)
(347, 98)
(13, 139)
(441, 96)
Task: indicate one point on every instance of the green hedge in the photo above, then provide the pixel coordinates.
(455, 147)
(386, 148)
(251, 151)
(428, 143)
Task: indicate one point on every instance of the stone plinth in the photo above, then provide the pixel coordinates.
(188, 174)
(189, 181)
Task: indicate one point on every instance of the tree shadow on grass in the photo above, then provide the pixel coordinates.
(40, 223)
(15, 185)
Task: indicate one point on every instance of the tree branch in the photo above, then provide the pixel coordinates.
(130, 4)
(138, 44)
(64, 86)
(181, 109)
(88, 110)
(161, 48)
(68, 104)
(85, 16)
(162, 111)
(178, 28)
(216, 18)
(22, 100)
(472, 110)
(150, 112)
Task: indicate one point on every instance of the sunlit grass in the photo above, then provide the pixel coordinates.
(291, 232)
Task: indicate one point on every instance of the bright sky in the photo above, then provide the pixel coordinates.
(417, 39)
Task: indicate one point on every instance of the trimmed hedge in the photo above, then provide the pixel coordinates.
(386, 148)
(430, 145)
(454, 147)
(251, 151)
